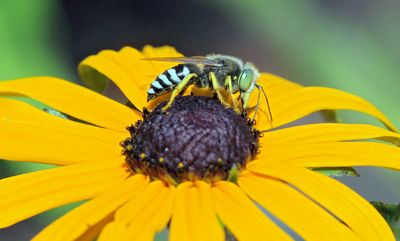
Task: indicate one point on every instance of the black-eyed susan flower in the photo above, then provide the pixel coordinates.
(201, 171)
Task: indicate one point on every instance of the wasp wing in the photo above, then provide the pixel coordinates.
(189, 60)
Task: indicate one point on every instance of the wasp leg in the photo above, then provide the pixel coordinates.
(181, 86)
(215, 86)
(228, 82)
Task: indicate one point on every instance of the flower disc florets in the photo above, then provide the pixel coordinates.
(196, 138)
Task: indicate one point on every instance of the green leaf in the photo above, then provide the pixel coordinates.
(93, 79)
(55, 113)
(62, 115)
(337, 172)
(391, 213)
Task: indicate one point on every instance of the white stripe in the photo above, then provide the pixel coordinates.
(151, 91)
(185, 71)
(174, 76)
(165, 79)
(157, 85)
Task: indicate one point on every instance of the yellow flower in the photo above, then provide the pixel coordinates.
(126, 205)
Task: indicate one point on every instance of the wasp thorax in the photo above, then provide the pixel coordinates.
(196, 138)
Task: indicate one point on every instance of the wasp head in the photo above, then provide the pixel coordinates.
(246, 83)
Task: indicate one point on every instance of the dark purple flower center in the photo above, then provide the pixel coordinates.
(196, 138)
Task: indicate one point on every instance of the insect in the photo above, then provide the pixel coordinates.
(215, 71)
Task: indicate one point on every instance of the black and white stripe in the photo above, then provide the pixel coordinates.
(167, 81)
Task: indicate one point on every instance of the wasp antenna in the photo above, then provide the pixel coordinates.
(259, 87)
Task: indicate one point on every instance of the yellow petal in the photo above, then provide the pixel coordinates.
(274, 86)
(147, 70)
(163, 51)
(194, 217)
(327, 132)
(143, 215)
(340, 200)
(33, 135)
(129, 70)
(336, 154)
(26, 195)
(107, 63)
(93, 231)
(294, 209)
(77, 222)
(301, 102)
(153, 207)
(139, 69)
(241, 215)
(73, 100)
(113, 231)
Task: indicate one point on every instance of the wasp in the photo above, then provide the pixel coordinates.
(216, 71)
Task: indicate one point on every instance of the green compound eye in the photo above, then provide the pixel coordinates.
(245, 80)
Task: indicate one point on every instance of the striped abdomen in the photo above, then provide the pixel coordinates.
(167, 81)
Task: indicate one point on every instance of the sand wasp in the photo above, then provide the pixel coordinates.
(214, 71)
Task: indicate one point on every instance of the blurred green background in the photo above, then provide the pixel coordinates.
(350, 45)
